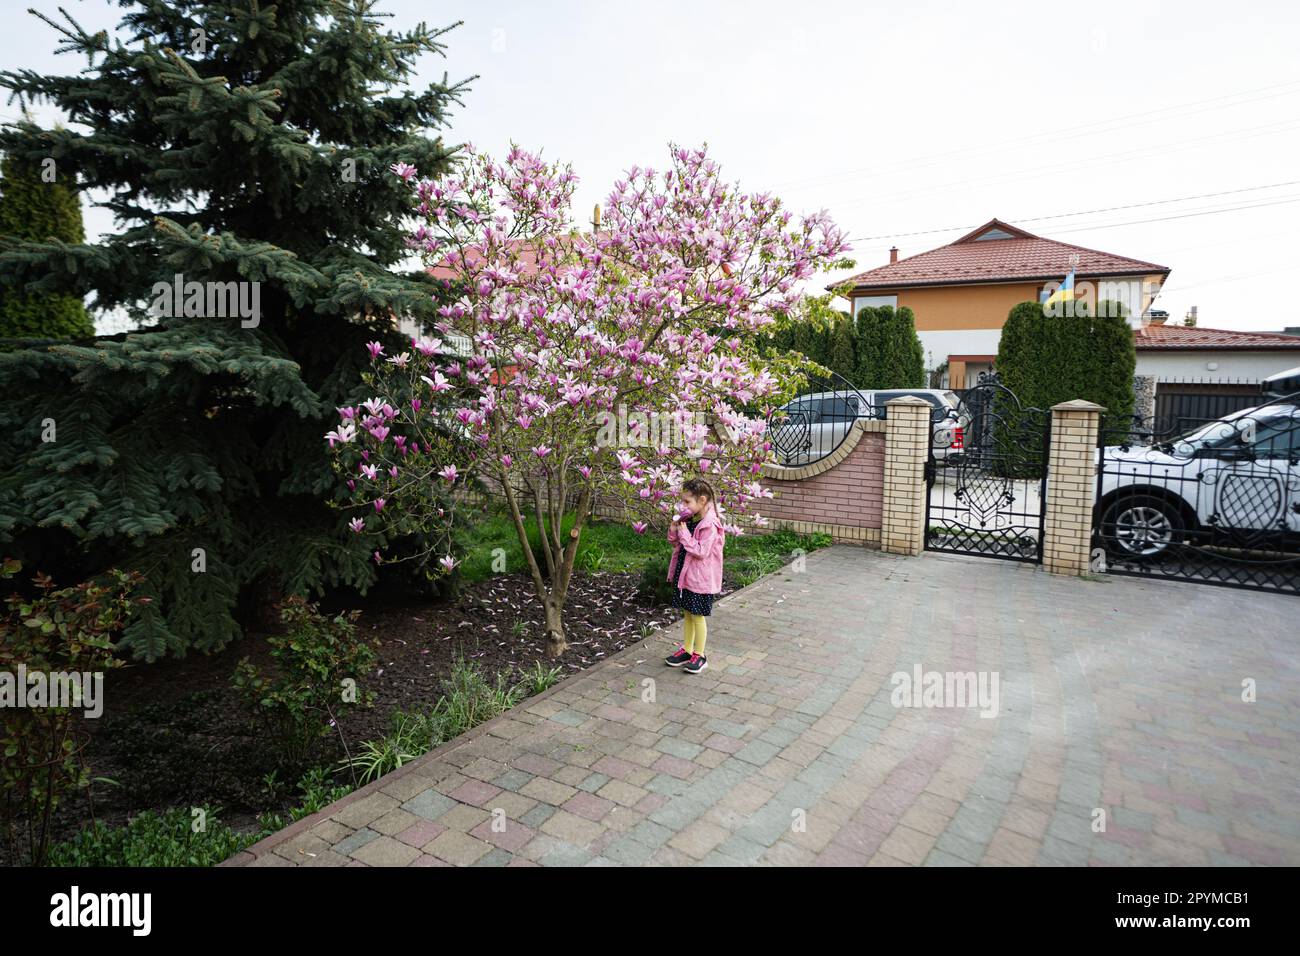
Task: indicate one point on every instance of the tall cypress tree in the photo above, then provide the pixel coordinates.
(1088, 354)
(868, 329)
(35, 205)
(889, 350)
(235, 142)
(843, 349)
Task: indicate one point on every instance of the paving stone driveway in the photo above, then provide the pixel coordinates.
(1119, 695)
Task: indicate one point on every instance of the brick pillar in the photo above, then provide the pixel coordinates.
(1071, 486)
(907, 444)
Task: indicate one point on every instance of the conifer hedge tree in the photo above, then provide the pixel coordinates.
(234, 142)
(889, 350)
(820, 333)
(1088, 354)
(35, 205)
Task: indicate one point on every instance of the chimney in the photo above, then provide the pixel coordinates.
(893, 254)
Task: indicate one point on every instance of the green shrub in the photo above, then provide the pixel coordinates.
(540, 678)
(411, 735)
(316, 790)
(889, 350)
(748, 569)
(56, 631)
(1045, 360)
(153, 839)
(320, 664)
(468, 699)
(654, 584)
(590, 559)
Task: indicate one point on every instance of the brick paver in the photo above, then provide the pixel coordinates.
(1121, 736)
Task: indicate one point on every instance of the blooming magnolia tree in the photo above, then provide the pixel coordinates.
(576, 370)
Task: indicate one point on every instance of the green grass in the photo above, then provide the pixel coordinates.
(612, 546)
(605, 546)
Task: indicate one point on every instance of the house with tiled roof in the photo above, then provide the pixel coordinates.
(1194, 373)
(961, 293)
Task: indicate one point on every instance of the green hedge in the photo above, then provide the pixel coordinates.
(1046, 360)
(31, 208)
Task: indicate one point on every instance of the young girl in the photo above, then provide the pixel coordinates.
(695, 570)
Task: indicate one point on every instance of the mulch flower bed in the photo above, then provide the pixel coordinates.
(175, 733)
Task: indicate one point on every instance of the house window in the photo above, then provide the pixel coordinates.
(994, 234)
(873, 301)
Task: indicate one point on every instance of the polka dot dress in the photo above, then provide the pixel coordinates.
(701, 604)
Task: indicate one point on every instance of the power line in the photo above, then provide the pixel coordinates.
(1084, 212)
(1225, 280)
(1190, 215)
(1069, 133)
(1074, 166)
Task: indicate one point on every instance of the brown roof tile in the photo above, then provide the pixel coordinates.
(1183, 337)
(1025, 256)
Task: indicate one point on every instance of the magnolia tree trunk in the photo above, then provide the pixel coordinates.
(552, 575)
(555, 642)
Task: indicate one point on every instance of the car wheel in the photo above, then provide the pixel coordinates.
(1141, 528)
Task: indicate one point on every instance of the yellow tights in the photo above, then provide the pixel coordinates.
(695, 632)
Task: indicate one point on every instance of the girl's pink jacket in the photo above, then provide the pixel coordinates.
(702, 552)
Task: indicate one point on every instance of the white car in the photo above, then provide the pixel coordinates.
(814, 425)
(1232, 483)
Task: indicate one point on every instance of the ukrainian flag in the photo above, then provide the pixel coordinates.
(1063, 294)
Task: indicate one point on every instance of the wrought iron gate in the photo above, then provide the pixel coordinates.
(1217, 503)
(987, 476)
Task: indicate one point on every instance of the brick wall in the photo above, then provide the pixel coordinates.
(840, 495)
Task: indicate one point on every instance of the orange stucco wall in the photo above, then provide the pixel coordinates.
(965, 306)
(945, 308)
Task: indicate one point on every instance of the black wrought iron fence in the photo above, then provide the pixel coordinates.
(986, 497)
(1215, 501)
(818, 420)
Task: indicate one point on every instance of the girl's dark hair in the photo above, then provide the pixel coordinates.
(700, 489)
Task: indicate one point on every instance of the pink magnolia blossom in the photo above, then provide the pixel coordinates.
(346, 433)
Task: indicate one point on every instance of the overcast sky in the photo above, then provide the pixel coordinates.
(905, 117)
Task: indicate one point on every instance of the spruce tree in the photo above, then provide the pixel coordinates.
(35, 205)
(234, 142)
